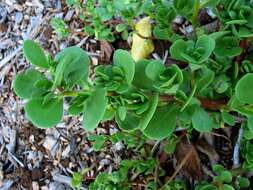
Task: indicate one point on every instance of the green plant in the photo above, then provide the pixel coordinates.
(60, 27)
(137, 100)
(133, 140)
(206, 86)
(247, 153)
(120, 179)
(224, 180)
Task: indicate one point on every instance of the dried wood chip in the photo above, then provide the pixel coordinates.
(192, 167)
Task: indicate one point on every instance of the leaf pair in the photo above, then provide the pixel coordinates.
(191, 52)
(119, 76)
(155, 123)
(157, 77)
(73, 66)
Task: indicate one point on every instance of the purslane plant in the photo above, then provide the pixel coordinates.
(146, 96)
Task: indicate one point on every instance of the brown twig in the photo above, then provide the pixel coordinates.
(185, 159)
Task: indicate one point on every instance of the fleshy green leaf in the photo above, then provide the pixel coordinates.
(44, 115)
(25, 83)
(205, 78)
(140, 79)
(147, 116)
(154, 69)
(243, 182)
(177, 48)
(194, 53)
(130, 122)
(201, 121)
(243, 90)
(250, 123)
(207, 44)
(73, 66)
(227, 118)
(227, 46)
(124, 60)
(122, 113)
(35, 54)
(162, 123)
(94, 109)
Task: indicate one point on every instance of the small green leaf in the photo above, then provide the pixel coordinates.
(124, 60)
(243, 89)
(25, 83)
(162, 123)
(75, 109)
(201, 121)
(225, 176)
(34, 54)
(99, 141)
(243, 182)
(218, 168)
(94, 109)
(109, 114)
(154, 69)
(89, 30)
(44, 115)
(177, 48)
(121, 27)
(227, 118)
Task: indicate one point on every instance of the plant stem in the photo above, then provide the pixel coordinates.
(195, 13)
(208, 104)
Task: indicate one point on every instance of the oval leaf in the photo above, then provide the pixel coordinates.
(243, 89)
(94, 109)
(73, 65)
(44, 115)
(25, 83)
(34, 54)
(162, 123)
(201, 121)
(124, 60)
(147, 115)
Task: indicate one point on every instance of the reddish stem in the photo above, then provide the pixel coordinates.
(205, 103)
(244, 46)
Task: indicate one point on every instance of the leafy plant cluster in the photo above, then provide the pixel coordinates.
(138, 95)
(209, 86)
(97, 17)
(106, 18)
(224, 180)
